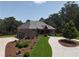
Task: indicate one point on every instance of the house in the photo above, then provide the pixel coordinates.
(34, 28)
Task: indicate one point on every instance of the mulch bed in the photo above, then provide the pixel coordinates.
(10, 50)
(68, 43)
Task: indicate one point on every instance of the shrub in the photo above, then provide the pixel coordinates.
(27, 54)
(21, 44)
(70, 30)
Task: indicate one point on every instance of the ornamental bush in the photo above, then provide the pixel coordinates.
(70, 30)
(22, 44)
(27, 54)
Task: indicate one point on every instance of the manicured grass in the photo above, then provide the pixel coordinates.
(2, 36)
(42, 48)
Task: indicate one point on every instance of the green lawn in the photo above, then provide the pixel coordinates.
(3, 36)
(42, 48)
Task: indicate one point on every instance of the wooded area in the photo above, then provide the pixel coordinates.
(66, 21)
(9, 25)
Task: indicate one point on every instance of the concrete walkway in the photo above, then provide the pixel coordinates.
(3, 42)
(61, 51)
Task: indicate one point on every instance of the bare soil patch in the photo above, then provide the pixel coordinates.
(68, 43)
(11, 49)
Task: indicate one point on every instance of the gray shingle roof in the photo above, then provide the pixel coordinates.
(35, 25)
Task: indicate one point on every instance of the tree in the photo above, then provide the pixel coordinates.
(76, 21)
(27, 21)
(2, 27)
(70, 30)
(69, 12)
(55, 21)
(9, 25)
(41, 19)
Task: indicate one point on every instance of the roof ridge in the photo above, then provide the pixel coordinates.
(35, 25)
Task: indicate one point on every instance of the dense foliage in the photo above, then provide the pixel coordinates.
(69, 13)
(70, 30)
(22, 43)
(26, 54)
(9, 25)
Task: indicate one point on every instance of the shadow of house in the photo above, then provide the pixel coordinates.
(34, 28)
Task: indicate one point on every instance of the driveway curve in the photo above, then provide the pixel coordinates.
(61, 51)
(3, 42)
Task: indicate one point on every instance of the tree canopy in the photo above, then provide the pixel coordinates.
(69, 14)
(9, 25)
(70, 30)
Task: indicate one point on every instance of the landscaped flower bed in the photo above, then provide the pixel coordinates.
(20, 48)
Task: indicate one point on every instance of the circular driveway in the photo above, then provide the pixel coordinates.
(3, 42)
(61, 51)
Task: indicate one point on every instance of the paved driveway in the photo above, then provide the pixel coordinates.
(61, 51)
(3, 42)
